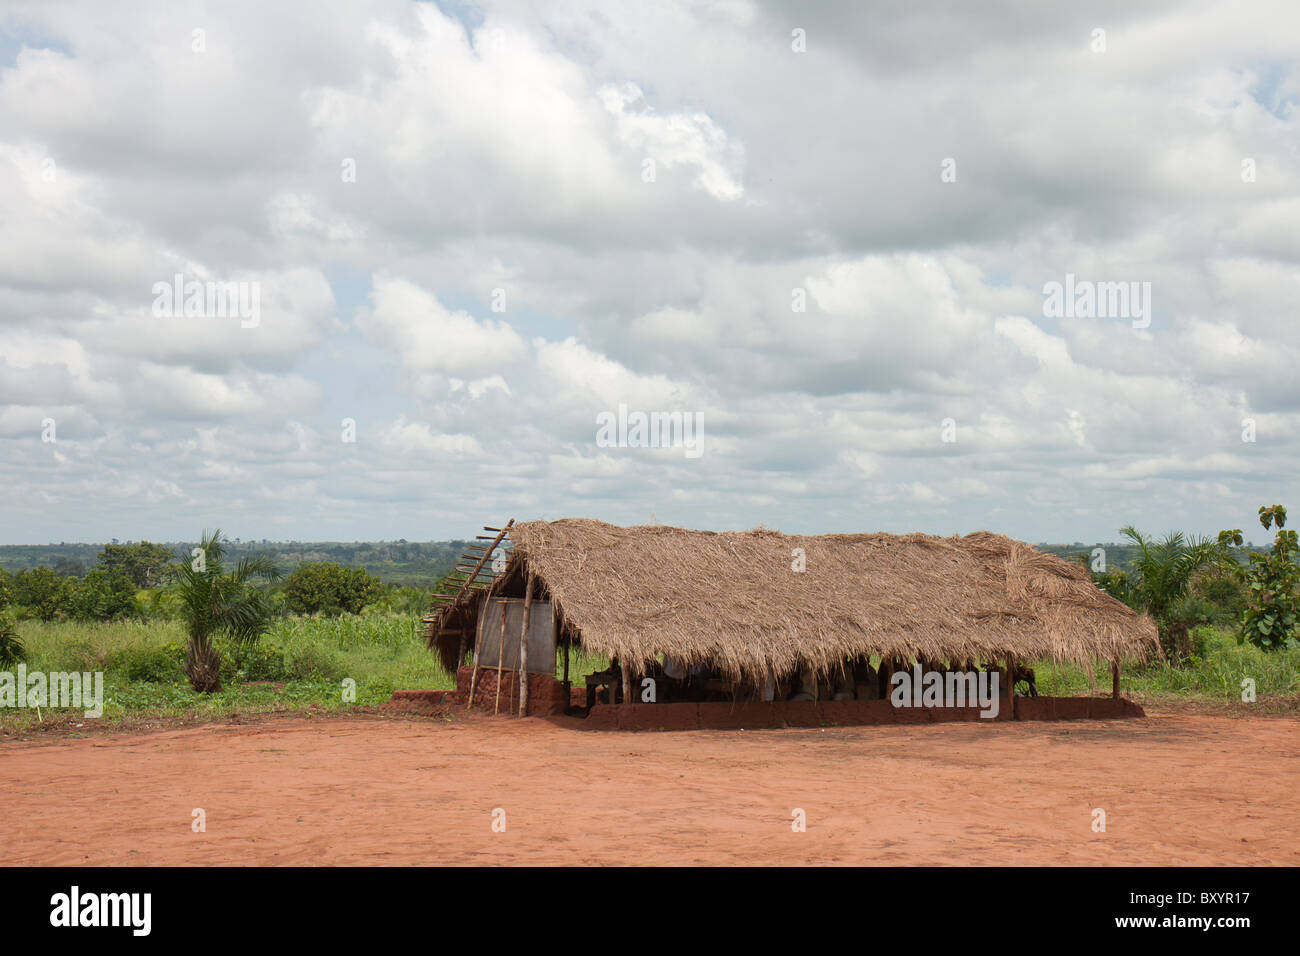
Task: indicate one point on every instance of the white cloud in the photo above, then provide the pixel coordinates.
(505, 149)
(431, 338)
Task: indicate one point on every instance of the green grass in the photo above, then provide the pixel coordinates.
(301, 662)
(310, 656)
(1216, 671)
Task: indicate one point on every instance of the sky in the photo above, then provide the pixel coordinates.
(825, 236)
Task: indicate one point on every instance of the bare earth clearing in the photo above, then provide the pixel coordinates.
(1176, 789)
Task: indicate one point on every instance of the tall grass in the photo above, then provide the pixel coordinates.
(298, 663)
(302, 662)
(1216, 671)
(348, 631)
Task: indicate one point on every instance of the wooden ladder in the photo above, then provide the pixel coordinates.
(480, 577)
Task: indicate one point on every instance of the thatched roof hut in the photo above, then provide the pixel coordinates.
(734, 598)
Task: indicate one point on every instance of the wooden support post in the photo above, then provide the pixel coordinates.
(478, 642)
(523, 645)
(1011, 687)
(1114, 678)
(627, 682)
(501, 652)
(566, 673)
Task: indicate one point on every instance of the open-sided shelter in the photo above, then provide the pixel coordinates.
(758, 606)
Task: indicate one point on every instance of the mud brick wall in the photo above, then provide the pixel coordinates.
(750, 715)
(545, 694)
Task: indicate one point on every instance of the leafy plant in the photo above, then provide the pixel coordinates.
(43, 591)
(1161, 578)
(152, 664)
(144, 563)
(12, 649)
(1272, 582)
(329, 588)
(103, 595)
(219, 603)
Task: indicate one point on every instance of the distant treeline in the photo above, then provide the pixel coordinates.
(416, 564)
(1121, 557)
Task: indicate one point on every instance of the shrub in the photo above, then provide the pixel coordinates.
(11, 645)
(1272, 582)
(262, 661)
(43, 591)
(103, 596)
(311, 662)
(329, 588)
(1222, 590)
(161, 664)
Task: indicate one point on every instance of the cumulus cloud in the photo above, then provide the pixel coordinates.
(473, 229)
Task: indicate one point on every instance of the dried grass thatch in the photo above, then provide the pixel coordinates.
(732, 598)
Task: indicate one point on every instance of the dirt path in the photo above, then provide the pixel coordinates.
(1176, 790)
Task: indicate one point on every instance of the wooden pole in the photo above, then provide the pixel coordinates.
(501, 651)
(1114, 678)
(523, 645)
(478, 634)
(566, 670)
(1011, 687)
(473, 575)
(627, 681)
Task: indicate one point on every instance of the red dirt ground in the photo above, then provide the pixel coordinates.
(1176, 790)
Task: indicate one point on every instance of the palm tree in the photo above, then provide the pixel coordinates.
(1161, 579)
(215, 602)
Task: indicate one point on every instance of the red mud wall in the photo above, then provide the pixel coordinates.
(1075, 708)
(728, 716)
(545, 693)
(546, 699)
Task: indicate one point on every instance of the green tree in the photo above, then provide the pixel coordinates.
(1113, 580)
(143, 563)
(1159, 583)
(103, 596)
(217, 602)
(6, 588)
(1221, 592)
(43, 591)
(1272, 583)
(326, 587)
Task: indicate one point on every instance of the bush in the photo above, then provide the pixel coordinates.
(1222, 593)
(311, 662)
(103, 596)
(161, 664)
(11, 645)
(42, 591)
(399, 599)
(263, 661)
(375, 691)
(327, 588)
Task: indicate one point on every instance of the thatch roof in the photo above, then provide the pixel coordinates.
(733, 598)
